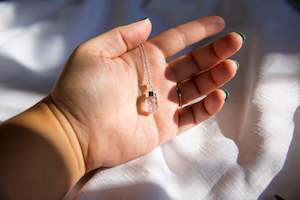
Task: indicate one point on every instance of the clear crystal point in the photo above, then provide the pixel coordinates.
(151, 102)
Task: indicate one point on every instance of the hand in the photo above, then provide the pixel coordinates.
(99, 87)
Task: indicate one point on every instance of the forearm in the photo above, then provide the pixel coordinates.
(40, 155)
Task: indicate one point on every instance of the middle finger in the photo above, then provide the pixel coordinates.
(206, 57)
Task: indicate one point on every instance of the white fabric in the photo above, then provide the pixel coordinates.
(234, 155)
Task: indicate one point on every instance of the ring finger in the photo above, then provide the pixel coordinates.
(208, 81)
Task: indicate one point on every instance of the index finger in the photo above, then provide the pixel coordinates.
(175, 39)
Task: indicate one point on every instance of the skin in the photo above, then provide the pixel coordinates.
(96, 98)
(99, 88)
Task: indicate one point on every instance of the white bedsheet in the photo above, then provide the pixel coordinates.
(234, 155)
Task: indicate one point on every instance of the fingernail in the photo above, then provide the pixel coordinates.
(227, 94)
(144, 18)
(237, 65)
(243, 36)
(277, 197)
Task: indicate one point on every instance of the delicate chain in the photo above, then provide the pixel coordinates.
(147, 73)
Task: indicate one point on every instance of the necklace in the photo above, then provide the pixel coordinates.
(151, 99)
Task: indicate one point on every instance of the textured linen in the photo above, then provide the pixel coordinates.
(234, 155)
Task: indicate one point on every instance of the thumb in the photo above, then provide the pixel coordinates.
(121, 39)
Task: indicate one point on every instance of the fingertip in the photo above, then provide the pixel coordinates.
(149, 23)
(136, 33)
(213, 24)
(235, 40)
(224, 72)
(214, 101)
(242, 35)
(148, 20)
(237, 65)
(214, 19)
(228, 45)
(219, 21)
(232, 67)
(221, 95)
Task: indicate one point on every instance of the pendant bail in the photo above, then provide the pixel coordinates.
(151, 93)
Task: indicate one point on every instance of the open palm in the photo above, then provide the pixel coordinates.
(100, 87)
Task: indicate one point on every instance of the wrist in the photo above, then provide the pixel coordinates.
(67, 131)
(39, 147)
(74, 120)
(47, 121)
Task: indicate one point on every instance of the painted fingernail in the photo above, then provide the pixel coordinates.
(144, 18)
(243, 36)
(237, 65)
(227, 94)
(277, 197)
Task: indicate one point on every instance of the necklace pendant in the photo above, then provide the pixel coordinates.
(151, 102)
